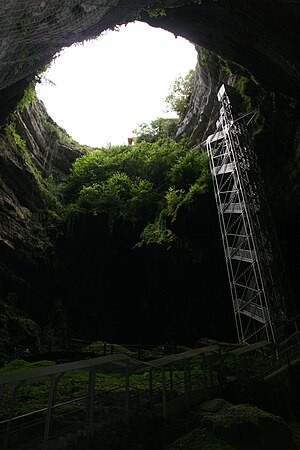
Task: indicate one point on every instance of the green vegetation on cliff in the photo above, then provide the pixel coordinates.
(144, 184)
(179, 93)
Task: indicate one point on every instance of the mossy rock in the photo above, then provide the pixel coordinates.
(246, 427)
(200, 439)
(215, 405)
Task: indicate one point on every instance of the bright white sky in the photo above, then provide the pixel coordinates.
(105, 88)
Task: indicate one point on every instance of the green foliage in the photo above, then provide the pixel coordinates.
(225, 65)
(191, 175)
(19, 365)
(149, 161)
(160, 128)
(186, 169)
(180, 93)
(98, 347)
(120, 197)
(146, 183)
(14, 137)
(29, 97)
(157, 12)
(157, 233)
(174, 199)
(204, 58)
(241, 87)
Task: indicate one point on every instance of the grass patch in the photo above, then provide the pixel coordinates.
(19, 365)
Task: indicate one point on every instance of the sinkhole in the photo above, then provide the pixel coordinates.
(100, 91)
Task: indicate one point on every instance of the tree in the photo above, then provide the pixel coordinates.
(160, 128)
(180, 93)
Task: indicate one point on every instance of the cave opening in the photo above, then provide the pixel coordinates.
(150, 298)
(101, 91)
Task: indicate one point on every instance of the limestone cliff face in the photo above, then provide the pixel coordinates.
(29, 153)
(44, 138)
(202, 112)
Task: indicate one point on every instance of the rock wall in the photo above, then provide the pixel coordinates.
(28, 155)
(203, 109)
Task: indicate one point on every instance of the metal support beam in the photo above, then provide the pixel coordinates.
(91, 400)
(259, 298)
(11, 414)
(51, 399)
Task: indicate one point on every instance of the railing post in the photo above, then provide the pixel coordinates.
(171, 377)
(91, 400)
(151, 384)
(211, 382)
(164, 393)
(186, 385)
(51, 399)
(127, 392)
(189, 379)
(205, 375)
(11, 414)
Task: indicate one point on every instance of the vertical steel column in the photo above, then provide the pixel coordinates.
(51, 398)
(11, 414)
(91, 400)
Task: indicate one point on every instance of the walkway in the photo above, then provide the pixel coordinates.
(40, 406)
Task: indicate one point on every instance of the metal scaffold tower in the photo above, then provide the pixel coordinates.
(249, 239)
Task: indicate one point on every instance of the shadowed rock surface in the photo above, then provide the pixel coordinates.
(239, 427)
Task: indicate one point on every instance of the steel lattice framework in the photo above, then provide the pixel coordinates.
(249, 240)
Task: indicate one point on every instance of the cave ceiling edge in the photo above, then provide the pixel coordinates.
(260, 36)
